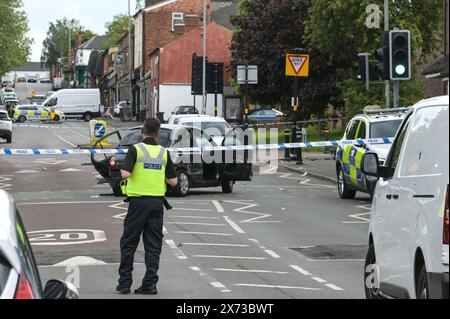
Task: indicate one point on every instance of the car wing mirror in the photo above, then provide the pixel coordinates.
(60, 290)
(370, 164)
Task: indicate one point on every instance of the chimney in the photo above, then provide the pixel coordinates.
(79, 40)
(149, 3)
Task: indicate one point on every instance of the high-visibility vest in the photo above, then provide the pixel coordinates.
(149, 172)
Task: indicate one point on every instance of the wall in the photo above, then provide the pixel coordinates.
(138, 40)
(172, 96)
(83, 56)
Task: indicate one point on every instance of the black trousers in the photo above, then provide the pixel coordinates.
(145, 217)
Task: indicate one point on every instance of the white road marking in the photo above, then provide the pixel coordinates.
(252, 271)
(165, 231)
(70, 170)
(79, 261)
(213, 282)
(218, 207)
(229, 257)
(359, 219)
(176, 250)
(50, 161)
(218, 245)
(234, 225)
(192, 209)
(4, 185)
(277, 287)
(244, 210)
(301, 270)
(194, 217)
(67, 203)
(63, 139)
(315, 278)
(78, 133)
(199, 224)
(202, 233)
(27, 172)
(272, 253)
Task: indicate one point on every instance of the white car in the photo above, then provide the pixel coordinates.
(214, 126)
(19, 274)
(25, 113)
(175, 119)
(5, 126)
(409, 227)
(118, 108)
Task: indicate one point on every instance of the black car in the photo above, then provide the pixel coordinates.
(194, 168)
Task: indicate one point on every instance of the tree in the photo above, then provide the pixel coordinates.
(15, 45)
(116, 28)
(336, 31)
(265, 31)
(56, 44)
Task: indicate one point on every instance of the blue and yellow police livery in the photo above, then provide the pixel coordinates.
(24, 113)
(369, 125)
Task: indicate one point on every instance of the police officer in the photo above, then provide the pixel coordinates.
(147, 169)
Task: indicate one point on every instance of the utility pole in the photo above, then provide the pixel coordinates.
(204, 58)
(386, 28)
(130, 60)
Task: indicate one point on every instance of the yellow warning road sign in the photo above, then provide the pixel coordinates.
(297, 65)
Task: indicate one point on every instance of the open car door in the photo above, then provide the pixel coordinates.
(236, 164)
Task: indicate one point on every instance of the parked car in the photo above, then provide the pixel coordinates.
(8, 83)
(19, 274)
(21, 79)
(45, 80)
(214, 126)
(369, 125)
(118, 108)
(76, 103)
(32, 79)
(409, 227)
(175, 119)
(25, 113)
(191, 173)
(265, 115)
(185, 109)
(6, 126)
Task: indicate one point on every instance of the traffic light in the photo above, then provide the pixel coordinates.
(373, 71)
(400, 54)
(382, 55)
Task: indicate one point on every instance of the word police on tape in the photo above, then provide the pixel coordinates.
(197, 149)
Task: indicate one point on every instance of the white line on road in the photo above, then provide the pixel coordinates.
(319, 280)
(213, 282)
(229, 257)
(68, 203)
(234, 225)
(199, 224)
(218, 207)
(194, 217)
(301, 270)
(252, 271)
(276, 287)
(176, 250)
(272, 253)
(202, 233)
(62, 139)
(192, 209)
(218, 245)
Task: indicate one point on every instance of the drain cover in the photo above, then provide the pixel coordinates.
(326, 252)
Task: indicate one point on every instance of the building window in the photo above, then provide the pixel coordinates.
(177, 20)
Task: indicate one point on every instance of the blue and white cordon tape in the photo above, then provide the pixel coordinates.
(197, 149)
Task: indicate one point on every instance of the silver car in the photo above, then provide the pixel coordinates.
(19, 275)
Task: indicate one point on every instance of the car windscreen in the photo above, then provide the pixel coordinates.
(385, 129)
(3, 116)
(211, 128)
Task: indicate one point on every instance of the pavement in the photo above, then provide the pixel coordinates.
(317, 165)
(286, 234)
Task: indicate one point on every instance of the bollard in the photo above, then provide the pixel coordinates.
(299, 138)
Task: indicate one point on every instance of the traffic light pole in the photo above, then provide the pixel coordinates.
(396, 94)
(386, 28)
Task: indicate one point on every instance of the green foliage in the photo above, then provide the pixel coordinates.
(15, 45)
(115, 29)
(56, 45)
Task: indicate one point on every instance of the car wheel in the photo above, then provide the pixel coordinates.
(9, 140)
(343, 190)
(87, 117)
(117, 190)
(369, 267)
(21, 119)
(182, 189)
(227, 187)
(422, 284)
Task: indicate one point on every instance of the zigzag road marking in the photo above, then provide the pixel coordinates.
(244, 210)
(3, 184)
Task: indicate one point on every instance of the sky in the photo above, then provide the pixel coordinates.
(93, 14)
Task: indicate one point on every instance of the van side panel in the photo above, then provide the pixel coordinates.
(75, 103)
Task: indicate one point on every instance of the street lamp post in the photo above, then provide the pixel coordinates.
(204, 58)
(130, 66)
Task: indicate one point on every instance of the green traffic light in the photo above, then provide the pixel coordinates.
(400, 69)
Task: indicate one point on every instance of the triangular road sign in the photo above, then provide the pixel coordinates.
(297, 63)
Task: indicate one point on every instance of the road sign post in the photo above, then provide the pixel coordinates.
(297, 65)
(246, 75)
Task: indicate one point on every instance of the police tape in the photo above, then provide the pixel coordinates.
(198, 149)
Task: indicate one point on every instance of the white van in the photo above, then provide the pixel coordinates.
(76, 103)
(409, 227)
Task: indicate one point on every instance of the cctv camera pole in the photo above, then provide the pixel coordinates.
(386, 28)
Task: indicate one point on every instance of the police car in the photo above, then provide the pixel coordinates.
(24, 113)
(371, 124)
